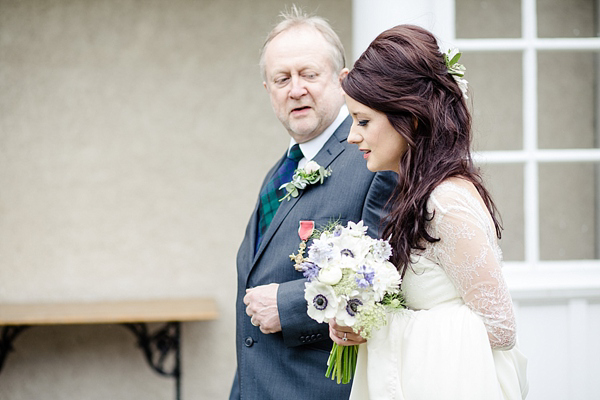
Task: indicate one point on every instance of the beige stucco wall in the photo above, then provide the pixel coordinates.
(133, 138)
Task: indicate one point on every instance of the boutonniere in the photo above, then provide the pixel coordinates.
(311, 174)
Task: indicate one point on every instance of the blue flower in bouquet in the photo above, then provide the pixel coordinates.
(382, 250)
(364, 276)
(320, 252)
(310, 270)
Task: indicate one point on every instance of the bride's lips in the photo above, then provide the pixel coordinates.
(365, 153)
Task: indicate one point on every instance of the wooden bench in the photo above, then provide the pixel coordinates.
(161, 347)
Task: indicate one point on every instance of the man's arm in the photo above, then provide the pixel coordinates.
(374, 207)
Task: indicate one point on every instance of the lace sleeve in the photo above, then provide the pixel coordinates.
(469, 253)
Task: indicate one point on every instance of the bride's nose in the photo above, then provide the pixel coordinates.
(354, 137)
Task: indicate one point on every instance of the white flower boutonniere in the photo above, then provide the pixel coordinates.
(311, 174)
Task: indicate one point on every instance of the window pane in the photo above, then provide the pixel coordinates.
(569, 211)
(505, 183)
(572, 18)
(567, 100)
(496, 99)
(488, 19)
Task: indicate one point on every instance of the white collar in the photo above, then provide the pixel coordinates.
(313, 146)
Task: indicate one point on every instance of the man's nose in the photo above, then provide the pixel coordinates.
(298, 88)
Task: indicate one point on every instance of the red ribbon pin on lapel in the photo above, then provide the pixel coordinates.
(306, 230)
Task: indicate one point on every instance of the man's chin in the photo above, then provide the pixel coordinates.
(303, 132)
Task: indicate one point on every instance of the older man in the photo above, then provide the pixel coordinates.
(281, 352)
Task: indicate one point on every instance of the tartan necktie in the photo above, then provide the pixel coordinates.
(270, 195)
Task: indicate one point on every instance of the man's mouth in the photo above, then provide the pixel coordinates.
(300, 109)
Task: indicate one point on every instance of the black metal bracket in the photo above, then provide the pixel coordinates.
(161, 348)
(9, 334)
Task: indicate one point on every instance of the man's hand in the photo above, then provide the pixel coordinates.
(261, 306)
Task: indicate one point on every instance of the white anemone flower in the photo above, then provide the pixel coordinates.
(348, 310)
(348, 246)
(322, 301)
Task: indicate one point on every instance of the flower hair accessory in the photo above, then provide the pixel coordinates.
(309, 175)
(455, 69)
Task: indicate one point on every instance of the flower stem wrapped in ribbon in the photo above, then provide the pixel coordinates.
(349, 278)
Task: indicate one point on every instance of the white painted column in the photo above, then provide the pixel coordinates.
(530, 136)
(371, 17)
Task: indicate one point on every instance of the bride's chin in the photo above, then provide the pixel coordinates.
(373, 168)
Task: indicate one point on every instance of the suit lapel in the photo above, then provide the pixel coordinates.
(329, 152)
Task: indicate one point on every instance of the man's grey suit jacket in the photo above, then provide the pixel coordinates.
(291, 364)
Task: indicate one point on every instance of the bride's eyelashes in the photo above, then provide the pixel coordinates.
(363, 122)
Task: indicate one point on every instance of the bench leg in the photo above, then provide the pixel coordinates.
(9, 334)
(160, 348)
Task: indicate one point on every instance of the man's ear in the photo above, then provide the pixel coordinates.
(265, 85)
(343, 74)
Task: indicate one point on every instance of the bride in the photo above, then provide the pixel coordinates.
(457, 338)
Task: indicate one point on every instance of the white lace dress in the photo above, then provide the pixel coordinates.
(456, 340)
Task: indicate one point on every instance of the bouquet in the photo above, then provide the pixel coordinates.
(349, 279)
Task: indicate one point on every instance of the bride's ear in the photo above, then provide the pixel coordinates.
(415, 123)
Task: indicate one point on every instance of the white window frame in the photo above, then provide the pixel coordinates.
(531, 278)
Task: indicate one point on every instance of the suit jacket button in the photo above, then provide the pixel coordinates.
(248, 342)
(319, 336)
(313, 337)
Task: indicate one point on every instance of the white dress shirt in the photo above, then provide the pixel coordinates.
(313, 146)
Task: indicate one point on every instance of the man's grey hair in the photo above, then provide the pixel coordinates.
(297, 17)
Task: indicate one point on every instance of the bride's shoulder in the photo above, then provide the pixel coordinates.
(454, 192)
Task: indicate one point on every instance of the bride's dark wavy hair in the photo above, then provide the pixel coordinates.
(403, 74)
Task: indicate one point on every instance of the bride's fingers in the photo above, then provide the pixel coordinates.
(345, 337)
(337, 336)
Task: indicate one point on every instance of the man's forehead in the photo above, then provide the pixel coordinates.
(297, 41)
(284, 56)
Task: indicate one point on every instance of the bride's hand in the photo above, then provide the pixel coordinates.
(344, 335)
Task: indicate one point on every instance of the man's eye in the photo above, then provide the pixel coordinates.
(363, 122)
(281, 81)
